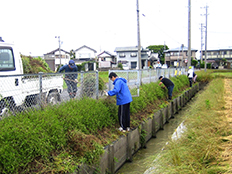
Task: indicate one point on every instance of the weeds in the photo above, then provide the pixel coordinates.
(197, 150)
(72, 132)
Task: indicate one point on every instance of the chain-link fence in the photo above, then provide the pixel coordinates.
(136, 77)
(18, 92)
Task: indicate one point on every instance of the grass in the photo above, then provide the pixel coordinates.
(76, 130)
(198, 149)
(73, 132)
(104, 75)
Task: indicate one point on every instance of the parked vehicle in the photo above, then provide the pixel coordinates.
(125, 66)
(18, 90)
(214, 66)
(157, 65)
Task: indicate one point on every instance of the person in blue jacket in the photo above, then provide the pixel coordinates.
(123, 97)
(70, 78)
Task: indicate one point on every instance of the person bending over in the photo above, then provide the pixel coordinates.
(168, 84)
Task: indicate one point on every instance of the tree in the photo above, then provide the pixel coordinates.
(72, 54)
(160, 50)
(194, 62)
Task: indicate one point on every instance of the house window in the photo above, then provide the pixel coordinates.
(133, 65)
(6, 59)
(122, 55)
(176, 54)
(133, 54)
(79, 55)
(167, 54)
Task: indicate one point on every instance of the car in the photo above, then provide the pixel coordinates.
(157, 66)
(125, 67)
(214, 66)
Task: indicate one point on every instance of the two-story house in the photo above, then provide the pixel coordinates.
(57, 57)
(218, 55)
(84, 54)
(178, 55)
(129, 56)
(106, 60)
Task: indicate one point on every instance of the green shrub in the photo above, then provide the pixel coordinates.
(120, 66)
(38, 134)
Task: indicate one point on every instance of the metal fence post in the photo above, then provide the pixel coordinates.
(127, 73)
(40, 88)
(97, 84)
(110, 82)
(82, 76)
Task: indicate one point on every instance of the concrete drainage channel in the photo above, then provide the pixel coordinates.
(122, 150)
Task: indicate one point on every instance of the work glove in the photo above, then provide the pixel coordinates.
(106, 93)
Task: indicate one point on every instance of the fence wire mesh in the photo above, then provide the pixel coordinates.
(136, 77)
(19, 92)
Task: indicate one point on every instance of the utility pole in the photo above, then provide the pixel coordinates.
(182, 47)
(206, 15)
(59, 48)
(139, 44)
(201, 40)
(189, 33)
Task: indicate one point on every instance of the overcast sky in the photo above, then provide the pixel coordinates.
(106, 24)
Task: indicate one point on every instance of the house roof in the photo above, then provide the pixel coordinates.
(53, 52)
(105, 52)
(222, 49)
(179, 49)
(84, 46)
(132, 48)
(154, 56)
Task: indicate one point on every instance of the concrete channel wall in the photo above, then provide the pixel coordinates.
(123, 149)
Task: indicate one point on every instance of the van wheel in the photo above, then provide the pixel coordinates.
(53, 98)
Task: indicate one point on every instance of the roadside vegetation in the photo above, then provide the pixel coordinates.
(34, 65)
(205, 146)
(56, 139)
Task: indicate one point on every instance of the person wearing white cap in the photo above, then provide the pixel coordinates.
(70, 79)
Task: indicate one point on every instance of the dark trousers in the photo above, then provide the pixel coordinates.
(72, 88)
(170, 89)
(190, 81)
(124, 115)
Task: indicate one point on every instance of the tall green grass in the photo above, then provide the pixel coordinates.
(198, 148)
(48, 137)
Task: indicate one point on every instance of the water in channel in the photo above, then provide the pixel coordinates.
(143, 160)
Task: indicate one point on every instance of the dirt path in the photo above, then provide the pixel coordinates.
(227, 145)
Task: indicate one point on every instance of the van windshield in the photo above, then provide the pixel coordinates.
(6, 59)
